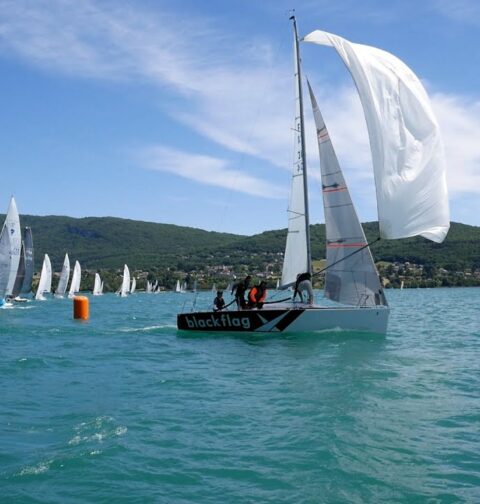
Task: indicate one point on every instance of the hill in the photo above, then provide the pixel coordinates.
(108, 243)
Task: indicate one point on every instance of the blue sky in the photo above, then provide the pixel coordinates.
(181, 112)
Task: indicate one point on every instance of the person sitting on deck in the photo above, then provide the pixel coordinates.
(239, 290)
(219, 302)
(257, 295)
(303, 285)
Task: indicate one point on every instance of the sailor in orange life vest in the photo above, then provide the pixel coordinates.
(257, 295)
(303, 285)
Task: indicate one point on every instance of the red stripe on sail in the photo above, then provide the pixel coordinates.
(335, 189)
(345, 245)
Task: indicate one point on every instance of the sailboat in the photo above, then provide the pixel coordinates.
(214, 289)
(97, 285)
(45, 283)
(409, 169)
(76, 279)
(125, 288)
(63, 281)
(10, 248)
(29, 262)
(134, 285)
(178, 288)
(148, 288)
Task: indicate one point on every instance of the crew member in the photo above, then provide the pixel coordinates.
(303, 285)
(219, 302)
(257, 295)
(239, 290)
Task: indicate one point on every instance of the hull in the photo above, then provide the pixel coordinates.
(288, 320)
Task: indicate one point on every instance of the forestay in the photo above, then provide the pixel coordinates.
(407, 150)
(351, 276)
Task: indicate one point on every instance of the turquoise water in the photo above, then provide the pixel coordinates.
(124, 409)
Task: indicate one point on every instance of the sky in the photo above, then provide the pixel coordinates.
(181, 112)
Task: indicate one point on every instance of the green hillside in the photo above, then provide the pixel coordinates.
(108, 243)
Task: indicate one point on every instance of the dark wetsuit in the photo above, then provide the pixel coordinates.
(240, 289)
(218, 303)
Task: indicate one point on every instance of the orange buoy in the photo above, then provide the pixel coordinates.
(81, 308)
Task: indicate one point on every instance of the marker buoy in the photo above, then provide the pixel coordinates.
(81, 308)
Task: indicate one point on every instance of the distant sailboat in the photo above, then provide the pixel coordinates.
(134, 285)
(101, 288)
(45, 283)
(29, 263)
(64, 275)
(125, 288)
(177, 287)
(10, 248)
(97, 285)
(278, 284)
(214, 288)
(17, 286)
(148, 288)
(76, 278)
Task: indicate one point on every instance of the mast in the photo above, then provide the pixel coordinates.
(303, 160)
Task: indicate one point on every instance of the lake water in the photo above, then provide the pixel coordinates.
(124, 409)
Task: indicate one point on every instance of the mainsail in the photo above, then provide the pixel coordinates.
(97, 285)
(125, 289)
(62, 283)
(407, 149)
(5, 261)
(134, 285)
(351, 276)
(76, 278)
(17, 286)
(45, 283)
(29, 263)
(297, 249)
(12, 227)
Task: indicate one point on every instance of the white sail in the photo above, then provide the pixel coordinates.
(278, 284)
(29, 263)
(134, 285)
(125, 288)
(10, 250)
(177, 287)
(214, 288)
(17, 286)
(297, 249)
(45, 283)
(101, 288)
(148, 289)
(407, 149)
(97, 285)
(63, 281)
(76, 278)
(351, 276)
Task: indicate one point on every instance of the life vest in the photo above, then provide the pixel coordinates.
(256, 295)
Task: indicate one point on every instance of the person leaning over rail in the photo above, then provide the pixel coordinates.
(239, 289)
(303, 285)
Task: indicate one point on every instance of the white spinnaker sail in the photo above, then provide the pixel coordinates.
(134, 285)
(125, 288)
(63, 281)
(29, 263)
(407, 149)
(12, 227)
(351, 276)
(45, 283)
(76, 278)
(97, 285)
(296, 259)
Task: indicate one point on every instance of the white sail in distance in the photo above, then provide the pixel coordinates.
(125, 288)
(97, 285)
(64, 275)
(12, 227)
(45, 283)
(351, 276)
(407, 149)
(134, 285)
(297, 249)
(76, 279)
(177, 287)
(29, 262)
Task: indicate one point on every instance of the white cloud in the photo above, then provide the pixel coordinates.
(207, 170)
